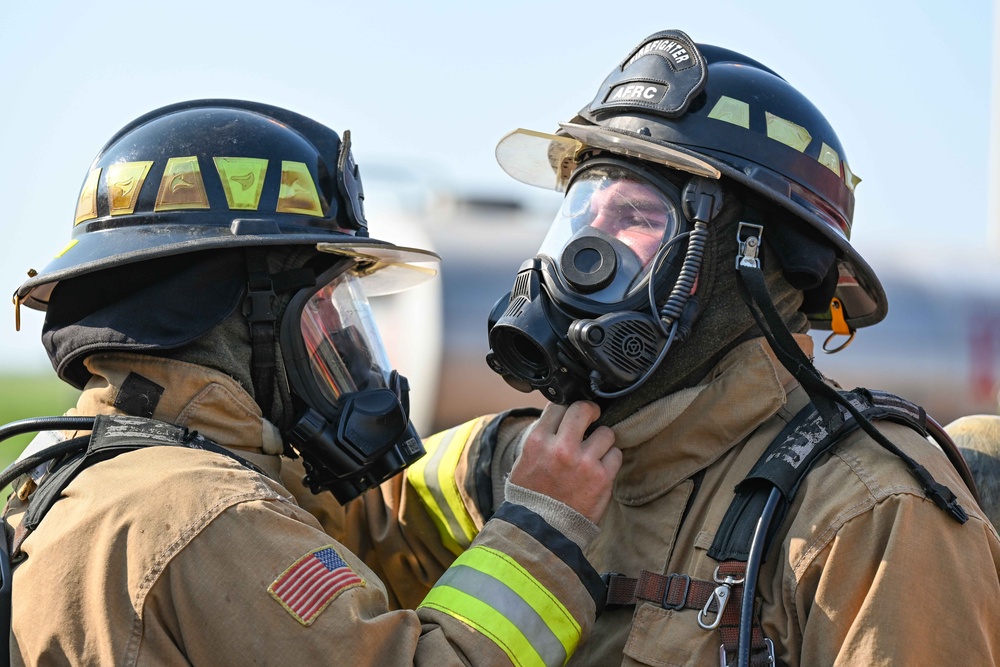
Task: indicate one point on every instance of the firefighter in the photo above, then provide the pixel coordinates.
(762, 515)
(212, 306)
(978, 437)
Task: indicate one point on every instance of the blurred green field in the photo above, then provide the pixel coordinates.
(23, 396)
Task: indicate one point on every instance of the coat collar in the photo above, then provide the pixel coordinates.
(196, 397)
(674, 437)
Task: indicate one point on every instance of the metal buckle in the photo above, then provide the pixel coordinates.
(749, 246)
(724, 658)
(666, 592)
(721, 595)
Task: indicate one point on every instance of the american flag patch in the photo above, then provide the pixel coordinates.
(312, 582)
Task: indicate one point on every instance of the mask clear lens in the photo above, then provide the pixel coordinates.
(621, 206)
(342, 342)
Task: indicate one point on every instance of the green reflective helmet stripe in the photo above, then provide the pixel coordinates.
(433, 478)
(489, 591)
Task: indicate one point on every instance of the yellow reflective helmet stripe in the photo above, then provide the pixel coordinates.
(298, 192)
(731, 110)
(86, 207)
(737, 112)
(69, 246)
(181, 186)
(850, 178)
(242, 180)
(433, 478)
(125, 180)
(829, 159)
(490, 591)
(787, 132)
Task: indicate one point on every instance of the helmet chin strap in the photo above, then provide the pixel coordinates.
(261, 309)
(831, 405)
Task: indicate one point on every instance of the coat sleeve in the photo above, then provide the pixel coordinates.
(262, 584)
(882, 590)
(895, 579)
(411, 528)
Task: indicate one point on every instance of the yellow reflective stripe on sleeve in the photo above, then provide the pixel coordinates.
(488, 590)
(433, 478)
(485, 619)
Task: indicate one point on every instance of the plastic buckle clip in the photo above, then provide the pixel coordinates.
(606, 580)
(606, 577)
(260, 305)
(687, 588)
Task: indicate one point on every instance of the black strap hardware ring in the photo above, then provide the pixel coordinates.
(666, 592)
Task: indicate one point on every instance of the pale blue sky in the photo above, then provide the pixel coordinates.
(432, 86)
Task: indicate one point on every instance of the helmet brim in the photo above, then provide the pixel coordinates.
(544, 160)
(385, 268)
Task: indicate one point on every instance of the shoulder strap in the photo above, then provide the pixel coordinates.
(112, 435)
(788, 459)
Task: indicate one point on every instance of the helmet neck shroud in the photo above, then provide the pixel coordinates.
(163, 304)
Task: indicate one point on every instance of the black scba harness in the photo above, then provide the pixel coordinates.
(752, 520)
(111, 435)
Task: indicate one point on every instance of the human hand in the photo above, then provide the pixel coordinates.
(560, 461)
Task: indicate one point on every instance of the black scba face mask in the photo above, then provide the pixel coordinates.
(582, 319)
(354, 431)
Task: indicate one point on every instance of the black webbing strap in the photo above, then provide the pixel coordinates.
(112, 435)
(753, 289)
(260, 309)
(788, 459)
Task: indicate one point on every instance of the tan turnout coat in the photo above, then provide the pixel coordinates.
(166, 556)
(865, 570)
